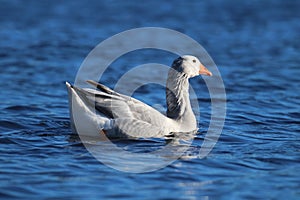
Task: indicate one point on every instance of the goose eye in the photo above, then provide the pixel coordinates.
(194, 61)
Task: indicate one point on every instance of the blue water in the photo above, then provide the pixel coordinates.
(256, 47)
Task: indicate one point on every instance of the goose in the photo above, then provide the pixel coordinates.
(106, 113)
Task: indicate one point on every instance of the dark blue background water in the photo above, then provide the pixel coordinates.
(256, 46)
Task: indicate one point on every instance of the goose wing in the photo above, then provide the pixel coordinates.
(118, 106)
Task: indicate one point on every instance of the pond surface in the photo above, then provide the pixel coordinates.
(255, 45)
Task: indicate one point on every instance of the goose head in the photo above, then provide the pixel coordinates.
(191, 66)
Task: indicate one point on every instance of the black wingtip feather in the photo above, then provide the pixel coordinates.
(100, 86)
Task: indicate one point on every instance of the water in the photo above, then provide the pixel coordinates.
(256, 47)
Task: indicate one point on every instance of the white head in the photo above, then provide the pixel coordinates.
(191, 66)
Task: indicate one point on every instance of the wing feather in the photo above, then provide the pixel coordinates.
(118, 106)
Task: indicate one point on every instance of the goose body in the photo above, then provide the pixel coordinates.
(102, 111)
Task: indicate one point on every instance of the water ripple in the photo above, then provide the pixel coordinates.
(257, 53)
